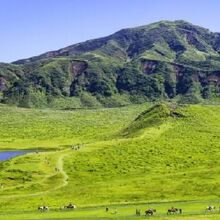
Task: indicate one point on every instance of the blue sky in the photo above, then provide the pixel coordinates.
(31, 27)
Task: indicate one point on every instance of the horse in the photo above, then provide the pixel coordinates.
(150, 211)
(70, 206)
(75, 147)
(210, 208)
(43, 208)
(172, 211)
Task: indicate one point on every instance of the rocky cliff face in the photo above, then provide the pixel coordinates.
(78, 67)
(162, 60)
(2, 84)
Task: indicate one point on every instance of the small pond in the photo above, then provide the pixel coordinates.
(5, 155)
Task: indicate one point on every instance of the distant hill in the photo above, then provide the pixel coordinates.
(152, 117)
(164, 60)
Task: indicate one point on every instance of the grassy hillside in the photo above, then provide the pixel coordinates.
(136, 155)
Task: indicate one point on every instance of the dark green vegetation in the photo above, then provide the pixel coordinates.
(128, 158)
(164, 60)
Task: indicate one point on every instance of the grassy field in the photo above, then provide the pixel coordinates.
(130, 157)
(194, 211)
(31, 128)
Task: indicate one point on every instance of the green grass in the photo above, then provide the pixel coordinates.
(30, 128)
(196, 210)
(170, 154)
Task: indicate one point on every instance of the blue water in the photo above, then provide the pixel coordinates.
(5, 155)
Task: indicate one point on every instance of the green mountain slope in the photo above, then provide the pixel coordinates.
(164, 60)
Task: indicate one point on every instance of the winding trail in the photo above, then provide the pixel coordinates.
(62, 171)
(59, 165)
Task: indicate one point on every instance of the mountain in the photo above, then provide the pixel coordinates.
(163, 60)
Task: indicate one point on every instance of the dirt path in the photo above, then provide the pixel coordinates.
(59, 166)
(62, 171)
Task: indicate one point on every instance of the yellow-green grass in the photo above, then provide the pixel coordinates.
(195, 210)
(32, 128)
(174, 159)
